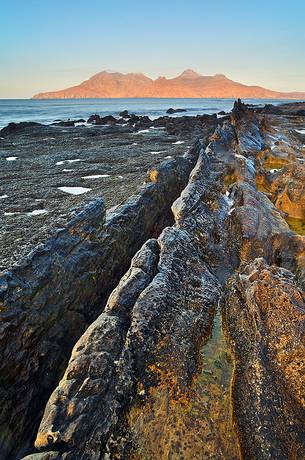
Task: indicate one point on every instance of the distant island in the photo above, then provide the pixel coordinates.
(188, 84)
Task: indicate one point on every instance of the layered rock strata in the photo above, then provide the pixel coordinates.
(138, 383)
(61, 287)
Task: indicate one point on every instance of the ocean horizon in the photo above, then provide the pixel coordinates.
(48, 110)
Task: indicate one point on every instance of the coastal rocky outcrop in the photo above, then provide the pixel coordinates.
(61, 287)
(173, 325)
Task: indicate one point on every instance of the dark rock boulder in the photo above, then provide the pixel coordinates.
(133, 119)
(125, 114)
(16, 128)
(171, 111)
(97, 120)
(180, 126)
(142, 123)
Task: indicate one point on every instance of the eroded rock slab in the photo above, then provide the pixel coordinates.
(60, 288)
(265, 318)
(155, 336)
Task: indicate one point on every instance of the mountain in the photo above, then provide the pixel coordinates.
(188, 84)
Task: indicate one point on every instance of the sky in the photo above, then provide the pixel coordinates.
(47, 45)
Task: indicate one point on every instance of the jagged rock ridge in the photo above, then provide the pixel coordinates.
(133, 371)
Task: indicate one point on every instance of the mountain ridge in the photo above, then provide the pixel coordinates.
(188, 84)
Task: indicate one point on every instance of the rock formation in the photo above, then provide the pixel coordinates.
(142, 381)
(266, 323)
(49, 300)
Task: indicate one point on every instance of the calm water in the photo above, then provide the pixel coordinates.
(46, 111)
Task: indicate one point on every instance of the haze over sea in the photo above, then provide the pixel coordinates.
(46, 111)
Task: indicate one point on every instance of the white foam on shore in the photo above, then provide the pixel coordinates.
(11, 158)
(67, 170)
(142, 131)
(135, 143)
(10, 213)
(120, 177)
(49, 139)
(74, 190)
(301, 131)
(3, 196)
(58, 163)
(168, 157)
(156, 152)
(273, 170)
(37, 212)
(96, 176)
(178, 142)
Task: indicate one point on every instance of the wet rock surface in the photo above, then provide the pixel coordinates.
(49, 172)
(61, 287)
(197, 351)
(265, 318)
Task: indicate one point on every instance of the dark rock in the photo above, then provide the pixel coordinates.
(49, 300)
(133, 119)
(16, 128)
(182, 126)
(97, 120)
(271, 109)
(171, 110)
(66, 123)
(222, 112)
(93, 119)
(125, 114)
(300, 113)
(142, 123)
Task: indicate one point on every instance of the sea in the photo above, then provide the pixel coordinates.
(48, 110)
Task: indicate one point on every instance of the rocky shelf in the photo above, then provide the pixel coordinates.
(173, 325)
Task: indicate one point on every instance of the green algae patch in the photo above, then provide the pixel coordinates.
(297, 225)
(196, 423)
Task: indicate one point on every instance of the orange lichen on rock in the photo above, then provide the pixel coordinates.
(193, 422)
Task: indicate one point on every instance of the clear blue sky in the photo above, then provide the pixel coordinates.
(52, 44)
